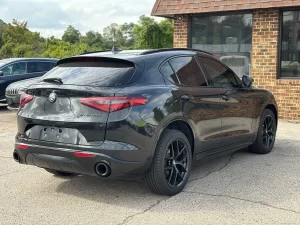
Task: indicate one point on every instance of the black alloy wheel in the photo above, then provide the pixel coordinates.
(268, 131)
(172, 164)
(176, 163)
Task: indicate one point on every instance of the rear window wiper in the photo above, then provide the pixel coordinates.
(53, 80)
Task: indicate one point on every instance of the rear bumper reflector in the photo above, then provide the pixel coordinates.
(22, 146)
(84, 155)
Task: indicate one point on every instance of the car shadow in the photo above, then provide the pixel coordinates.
(120, 191)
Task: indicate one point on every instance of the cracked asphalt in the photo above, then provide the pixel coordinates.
(241, 188)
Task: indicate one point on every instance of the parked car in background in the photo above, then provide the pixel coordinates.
(239, 64)
(15, 69)
(15, 90)
(141, 113)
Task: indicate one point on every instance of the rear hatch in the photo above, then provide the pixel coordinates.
(72, 103)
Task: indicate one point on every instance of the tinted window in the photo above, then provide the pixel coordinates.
(105, 74)
(34, 67)
(14, 69)
(219, 74)
(188, 71)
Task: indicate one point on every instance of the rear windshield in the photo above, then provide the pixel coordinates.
(104, 74)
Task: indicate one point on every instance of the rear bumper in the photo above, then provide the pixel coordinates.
(64, 159)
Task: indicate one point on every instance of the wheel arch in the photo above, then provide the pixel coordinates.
(180, 125)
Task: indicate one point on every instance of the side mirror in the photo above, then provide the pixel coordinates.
(1, 73)
(247, 81)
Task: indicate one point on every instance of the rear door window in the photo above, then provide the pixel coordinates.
(104, 74)
(187, 72)
(35, 67)
(219, 74)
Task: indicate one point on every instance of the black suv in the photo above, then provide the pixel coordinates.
(15, 69)
(141, 113)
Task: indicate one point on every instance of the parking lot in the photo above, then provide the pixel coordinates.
(241, 188)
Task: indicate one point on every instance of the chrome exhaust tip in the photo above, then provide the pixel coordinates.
(103, 169)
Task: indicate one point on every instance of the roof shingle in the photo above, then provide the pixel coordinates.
(170, 8)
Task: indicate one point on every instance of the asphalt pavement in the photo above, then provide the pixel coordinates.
(240, 188)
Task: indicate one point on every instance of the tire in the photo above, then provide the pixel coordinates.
(59, 173)
(166, 175)
(260, 145)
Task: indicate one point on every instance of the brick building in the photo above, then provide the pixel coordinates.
(260, 38)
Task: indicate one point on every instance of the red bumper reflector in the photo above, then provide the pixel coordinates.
(22, 146)
(84, 155)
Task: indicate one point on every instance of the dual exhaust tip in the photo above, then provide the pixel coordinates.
(103, 169)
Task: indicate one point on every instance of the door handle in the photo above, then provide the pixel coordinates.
(225, 98)
(186, 97)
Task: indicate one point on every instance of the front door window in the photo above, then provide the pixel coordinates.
(14, 69)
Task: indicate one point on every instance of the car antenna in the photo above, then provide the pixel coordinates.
(116, 49)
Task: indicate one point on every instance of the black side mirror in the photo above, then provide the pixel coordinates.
(247, 81)
(1, 73)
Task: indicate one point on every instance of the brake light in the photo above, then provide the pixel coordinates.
(112, 104)
(25, 98)
(84, 155)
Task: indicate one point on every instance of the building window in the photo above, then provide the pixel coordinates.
(290, 45)
(228, 37)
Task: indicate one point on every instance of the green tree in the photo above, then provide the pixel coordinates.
(113, 35)
(150, 34)
(19, 41)
(2, 29)
(167, 27)
(93, 39)
(127, 30)
(71, 35)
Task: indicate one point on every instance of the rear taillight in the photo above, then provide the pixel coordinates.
(112, 104)
(25, 98)
(22, 146)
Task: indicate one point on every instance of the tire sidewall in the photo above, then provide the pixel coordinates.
(163, 144)
(259, 139)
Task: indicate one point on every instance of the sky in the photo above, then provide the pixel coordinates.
(52, 17)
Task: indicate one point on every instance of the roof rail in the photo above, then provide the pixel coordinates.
(173, 49)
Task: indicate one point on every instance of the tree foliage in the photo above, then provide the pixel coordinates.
(16, 40)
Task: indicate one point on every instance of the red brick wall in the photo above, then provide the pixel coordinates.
(180, 32)
(265, 62)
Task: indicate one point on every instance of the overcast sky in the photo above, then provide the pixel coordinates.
(52, 17)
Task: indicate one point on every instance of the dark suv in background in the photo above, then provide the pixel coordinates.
(16, 69)
(141, 113)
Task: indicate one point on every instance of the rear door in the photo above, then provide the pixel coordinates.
(236, 102)
(69, 106)
(199, 102)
